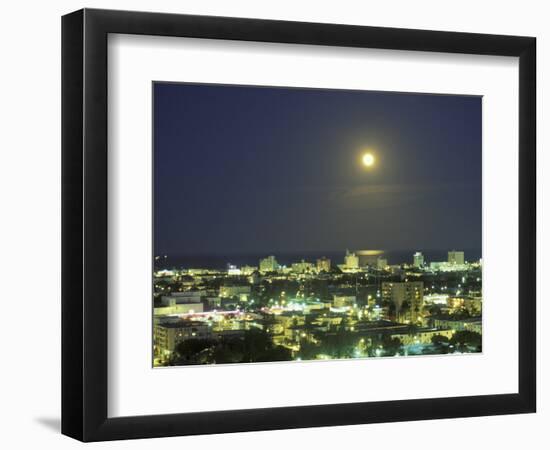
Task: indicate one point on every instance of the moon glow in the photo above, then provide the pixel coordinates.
(368, 159)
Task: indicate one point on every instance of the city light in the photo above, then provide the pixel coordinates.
(317, 310)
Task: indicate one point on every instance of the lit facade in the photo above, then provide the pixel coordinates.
(351, 260)
(455, 258)
(179, 308)
(323, 264)
(167, 335)
(342, 301)
(269, 264)
(302, 267)
(418, 260)
(407, 298)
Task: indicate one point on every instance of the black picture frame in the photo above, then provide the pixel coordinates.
(84, 224)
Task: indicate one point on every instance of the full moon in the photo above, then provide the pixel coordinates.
(368, 159)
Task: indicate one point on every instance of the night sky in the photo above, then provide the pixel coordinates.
(265, 170)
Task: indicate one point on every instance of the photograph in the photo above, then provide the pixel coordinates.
(295, 224)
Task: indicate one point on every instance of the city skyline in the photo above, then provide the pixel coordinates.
(219, 261)
(360, 307)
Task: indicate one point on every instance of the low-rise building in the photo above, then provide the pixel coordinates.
(248, 270)
(181, 308)
(176, 298)
(422, 335)
(342, 301)
(470, 303)
(213, 302)
(470, 323)
(445, 266)
(227, 291)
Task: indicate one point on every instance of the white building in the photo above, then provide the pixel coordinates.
(181, 308)
(233, 270)
(436, 299)
(167, 335)
(444, 266)
(418, 260)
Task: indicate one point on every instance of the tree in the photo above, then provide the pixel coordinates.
(466, 341)
(392, 346)
(308, 351)
(225, 353)
(439, 339)
(338, 345)
(274, 353)
(189, 348)
(440, 344)
(385, 346)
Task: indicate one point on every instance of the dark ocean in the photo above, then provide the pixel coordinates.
(221, 262)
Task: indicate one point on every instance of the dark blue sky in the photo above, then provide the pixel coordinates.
(256, 169)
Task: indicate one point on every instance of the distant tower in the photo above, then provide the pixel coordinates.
(351, 260)
(456, 258)
(418, 259)
(269, 264)
(323, 264)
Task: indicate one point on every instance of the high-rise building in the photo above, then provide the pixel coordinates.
(381, 263)
(407, 298)
(418, 260)
(323, 264)
(455, 257)
(269, 264)
(351, 260)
